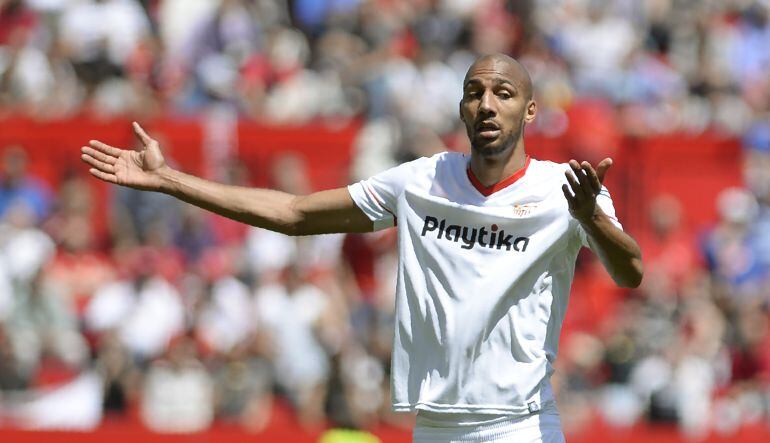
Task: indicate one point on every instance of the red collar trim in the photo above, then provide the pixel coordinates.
(486, 191)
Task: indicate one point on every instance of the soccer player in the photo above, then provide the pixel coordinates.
(487, 246)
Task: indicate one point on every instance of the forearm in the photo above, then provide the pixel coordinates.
(618, 252)
(318, 213)
(264, 208)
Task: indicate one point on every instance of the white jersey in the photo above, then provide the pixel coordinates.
(483, 281)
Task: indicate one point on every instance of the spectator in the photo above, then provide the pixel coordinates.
(78, 269)
(598, 45)
(178, 393)
(99, 36)
(292, 314)
(13, 377)
(120, 376)
(17, 187)
(244, 382)
(729, 247)
(146, 310)
(669, 250)
(41, 324)
(225, 319)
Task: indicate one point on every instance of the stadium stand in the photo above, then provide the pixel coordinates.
(129, 314)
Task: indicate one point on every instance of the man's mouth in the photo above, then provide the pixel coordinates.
(488, 129)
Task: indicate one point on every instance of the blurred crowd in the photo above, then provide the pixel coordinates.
(663, 65)
(691, 346)
(179, 318)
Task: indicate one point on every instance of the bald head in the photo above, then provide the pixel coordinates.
(496, 105)
(509, 67)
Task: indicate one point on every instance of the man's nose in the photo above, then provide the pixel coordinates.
(487, 104)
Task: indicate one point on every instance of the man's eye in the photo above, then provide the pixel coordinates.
(504, 95)
(473, 94)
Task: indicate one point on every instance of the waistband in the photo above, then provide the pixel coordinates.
(440, 427)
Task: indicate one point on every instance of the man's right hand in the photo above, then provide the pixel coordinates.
(136, 169)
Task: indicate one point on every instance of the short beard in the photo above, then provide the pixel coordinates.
(509, 143)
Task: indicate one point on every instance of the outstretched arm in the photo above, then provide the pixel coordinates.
(318, 213)
(618, 251)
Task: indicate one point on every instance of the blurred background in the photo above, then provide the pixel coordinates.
(128, 315)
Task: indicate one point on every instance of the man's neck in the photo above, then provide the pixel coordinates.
(492, 170)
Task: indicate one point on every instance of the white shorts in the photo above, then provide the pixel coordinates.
(540, 427)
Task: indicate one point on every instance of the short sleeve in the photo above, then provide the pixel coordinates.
(604, 201)
(378, 195)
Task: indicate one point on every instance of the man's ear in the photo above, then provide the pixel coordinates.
(529, 116)
(460, 108)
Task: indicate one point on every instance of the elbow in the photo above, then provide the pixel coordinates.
(630, 282)
(292, 229)
(633, 277)
(287, 227)
(290, 221)
(297, 226)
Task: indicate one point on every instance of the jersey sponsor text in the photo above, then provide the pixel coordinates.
(469, 236)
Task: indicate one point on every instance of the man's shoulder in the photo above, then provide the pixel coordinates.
(448, 156)
(547, 167)
(440, 160)
(419, 168)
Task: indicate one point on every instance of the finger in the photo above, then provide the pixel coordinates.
(141, 135)
(110, 178)
(98, 164)
(585, 184)
(593, 180)
(580, 175)
(602, 168)
(99, 155)
(104, 147)
(568, 195)
(581, 192)
(577, 190)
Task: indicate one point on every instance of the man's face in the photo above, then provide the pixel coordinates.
(495, 106)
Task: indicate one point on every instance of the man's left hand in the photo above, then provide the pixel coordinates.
(585, 184)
